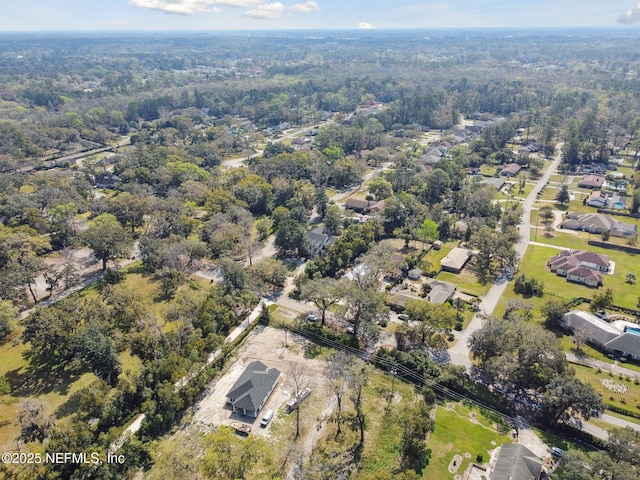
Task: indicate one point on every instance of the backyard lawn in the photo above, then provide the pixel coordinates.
(536, 258)
(460, 430)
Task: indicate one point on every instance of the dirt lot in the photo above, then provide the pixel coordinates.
(267, 345)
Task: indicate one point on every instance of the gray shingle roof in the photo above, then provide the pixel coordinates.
(254, 385)
(516, 462)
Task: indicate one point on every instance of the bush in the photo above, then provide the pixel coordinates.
(479, 458)
(623, 360)
(5, 387)
(458, 326)
(383, 323)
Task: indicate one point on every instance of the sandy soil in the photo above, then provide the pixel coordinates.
(267, 345)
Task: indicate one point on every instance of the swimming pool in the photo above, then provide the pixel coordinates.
(633, 330)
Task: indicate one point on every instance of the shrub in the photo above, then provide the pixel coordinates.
(458, 326)
(479, 458)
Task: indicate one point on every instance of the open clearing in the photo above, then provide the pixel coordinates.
(269, 346)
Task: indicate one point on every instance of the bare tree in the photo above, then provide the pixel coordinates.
(35, 426)
(360, 380)
(299, 381)
(580, 337)
(338, 376)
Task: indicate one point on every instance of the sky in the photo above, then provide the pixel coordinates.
(93, 15)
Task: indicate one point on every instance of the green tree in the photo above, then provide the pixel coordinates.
(428, 231)
(623, 445)
(601, 300)
(107, 238)
(567, 397)
(380, 188)
(359, 419)
(8, 317)
(363, 308)
(435, 322)
(332, 219)
(563, 195)
(553, 311)
(291, 238)
(233, 274)
(129, 209)
(231, 457)
(323, 293)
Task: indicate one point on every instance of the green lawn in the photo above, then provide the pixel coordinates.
(629, 400)
(466, 281)
(534, 264)
(459, 431)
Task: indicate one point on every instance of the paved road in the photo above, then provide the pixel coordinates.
(459, 353)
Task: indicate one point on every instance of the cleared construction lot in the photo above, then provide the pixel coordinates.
(276, 349)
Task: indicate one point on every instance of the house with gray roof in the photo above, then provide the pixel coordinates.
(252, 390)
(599, 223)
(516, 462)
(605, 336)
(495, 182)
(456, 259)
(440, 291)
(318, 240)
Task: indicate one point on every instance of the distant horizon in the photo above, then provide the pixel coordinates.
(270, 31)
(257, 15)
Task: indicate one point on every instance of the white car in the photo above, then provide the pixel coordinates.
(266, 418)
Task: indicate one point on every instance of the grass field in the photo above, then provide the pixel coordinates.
(629, 400)
(460, 430)
(536, 257)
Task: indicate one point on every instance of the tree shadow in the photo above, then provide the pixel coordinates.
(41, 379)
(71, 406)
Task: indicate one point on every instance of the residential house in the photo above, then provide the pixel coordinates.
(601, 200)
(591, 181)
(597, 199)
(510, 170)
(580, 266)
(456, 260)
(252, 390)
(589, 222)
(516, 462)
(603, 335)
(579, 258)
(585, 276)
(495, 182)
(414, 274)
(107, 180)
(440, 291)
(318, 240)
(599, 223)
(363, 206)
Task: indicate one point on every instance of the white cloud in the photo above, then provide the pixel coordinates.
(306, 7)
(366, 25)
(192, 7)
(266, 11)
(116, 23)
(631, 16)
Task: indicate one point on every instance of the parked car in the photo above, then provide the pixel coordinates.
(266, 418)
(403, 316)
(312, 318)
(556, 451)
